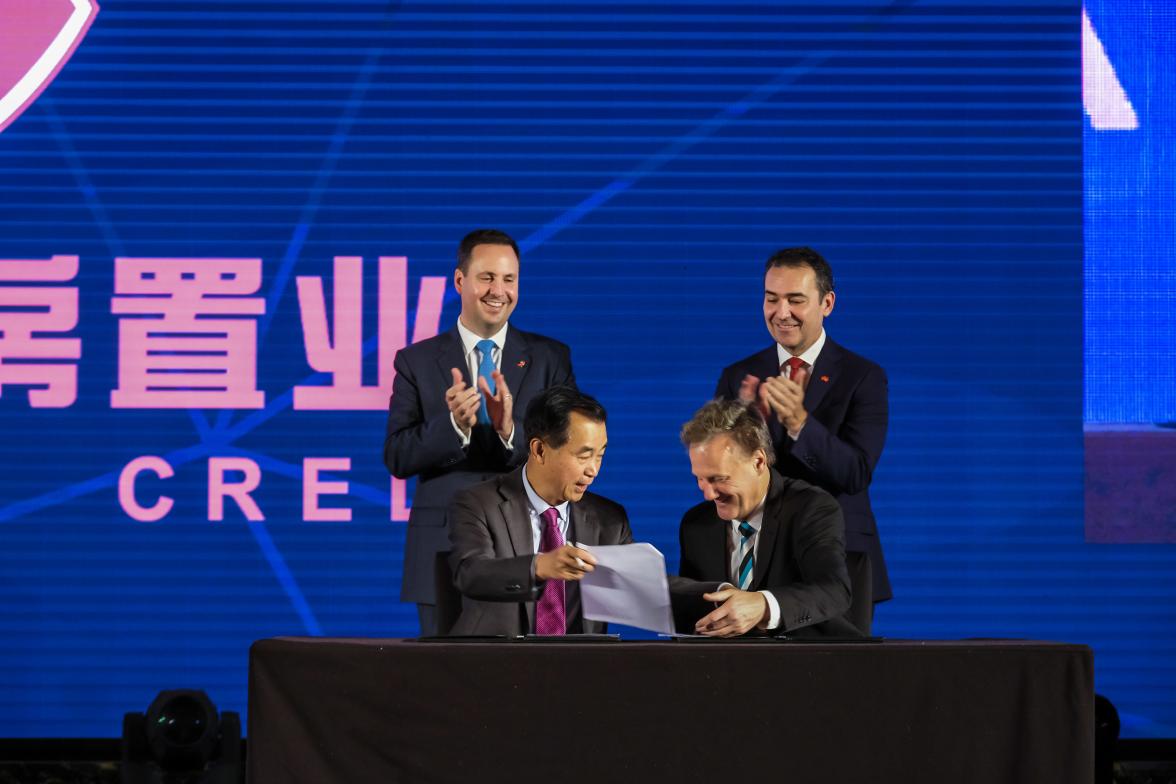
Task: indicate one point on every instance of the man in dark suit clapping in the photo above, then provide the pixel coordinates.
(454, 418)
(827, 408)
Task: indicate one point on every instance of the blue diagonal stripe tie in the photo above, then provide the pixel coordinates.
(486, 370)
(746, 556)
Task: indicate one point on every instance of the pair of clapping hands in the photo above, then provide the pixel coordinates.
(464, 402)
(779, 396)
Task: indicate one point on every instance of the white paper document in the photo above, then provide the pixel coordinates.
(628, 587)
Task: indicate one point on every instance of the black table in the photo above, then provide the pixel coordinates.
(358, 710)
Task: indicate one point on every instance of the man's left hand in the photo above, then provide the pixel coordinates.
(751, 394)
(500, 405)
(786, 399)
(739, 613)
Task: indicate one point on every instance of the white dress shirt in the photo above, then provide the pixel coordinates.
(809, 358)
(536, 506)
(756, 521)
(535, 510)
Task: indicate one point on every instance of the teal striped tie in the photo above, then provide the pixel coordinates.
(746, 556)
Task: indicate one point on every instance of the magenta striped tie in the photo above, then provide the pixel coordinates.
(551, 610)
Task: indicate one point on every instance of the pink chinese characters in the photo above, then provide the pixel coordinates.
(27, 356)
(191, 341)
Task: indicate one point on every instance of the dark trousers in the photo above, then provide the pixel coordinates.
(861, 583)
(427, 615)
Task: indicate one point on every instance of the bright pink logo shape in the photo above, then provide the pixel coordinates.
(37, 38)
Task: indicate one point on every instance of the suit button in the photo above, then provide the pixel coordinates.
(514, 588)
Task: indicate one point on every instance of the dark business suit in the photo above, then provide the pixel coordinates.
(848, 413)
(493, 550)
(800, 559)
(422, 442)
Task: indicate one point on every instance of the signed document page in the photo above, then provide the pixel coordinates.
(628, 587)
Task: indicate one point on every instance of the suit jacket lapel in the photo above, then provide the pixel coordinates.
(514, 508)
(516, 359)
(452, 355)
(826, 367)
(769, 531)
(715, 552)
(583, 527)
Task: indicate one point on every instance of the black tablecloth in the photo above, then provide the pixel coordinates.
(354, 711)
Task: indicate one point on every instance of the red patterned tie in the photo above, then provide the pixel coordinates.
(794, 365)
(551, 610)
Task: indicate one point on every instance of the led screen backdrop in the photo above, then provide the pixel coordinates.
(221, 219)
(1130, 412)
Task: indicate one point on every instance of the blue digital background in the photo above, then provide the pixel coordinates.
(1131, 224)
(649, 157)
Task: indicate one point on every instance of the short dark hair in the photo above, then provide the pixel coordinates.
(482, 237)
(742, 422)
(549, 414)
(804, 257)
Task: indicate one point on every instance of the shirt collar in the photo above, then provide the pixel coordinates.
(539, 506)
(469, 340)
(809, 357)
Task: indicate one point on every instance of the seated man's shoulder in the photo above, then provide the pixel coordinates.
(700, 514)
(600, 505)
(481, 491)
(609, 518)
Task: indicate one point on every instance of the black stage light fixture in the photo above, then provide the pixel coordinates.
(182, 739)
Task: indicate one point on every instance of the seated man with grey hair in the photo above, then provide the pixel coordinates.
(772, 548)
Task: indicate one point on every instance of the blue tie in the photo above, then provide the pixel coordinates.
(486, 370)
(747, 556)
